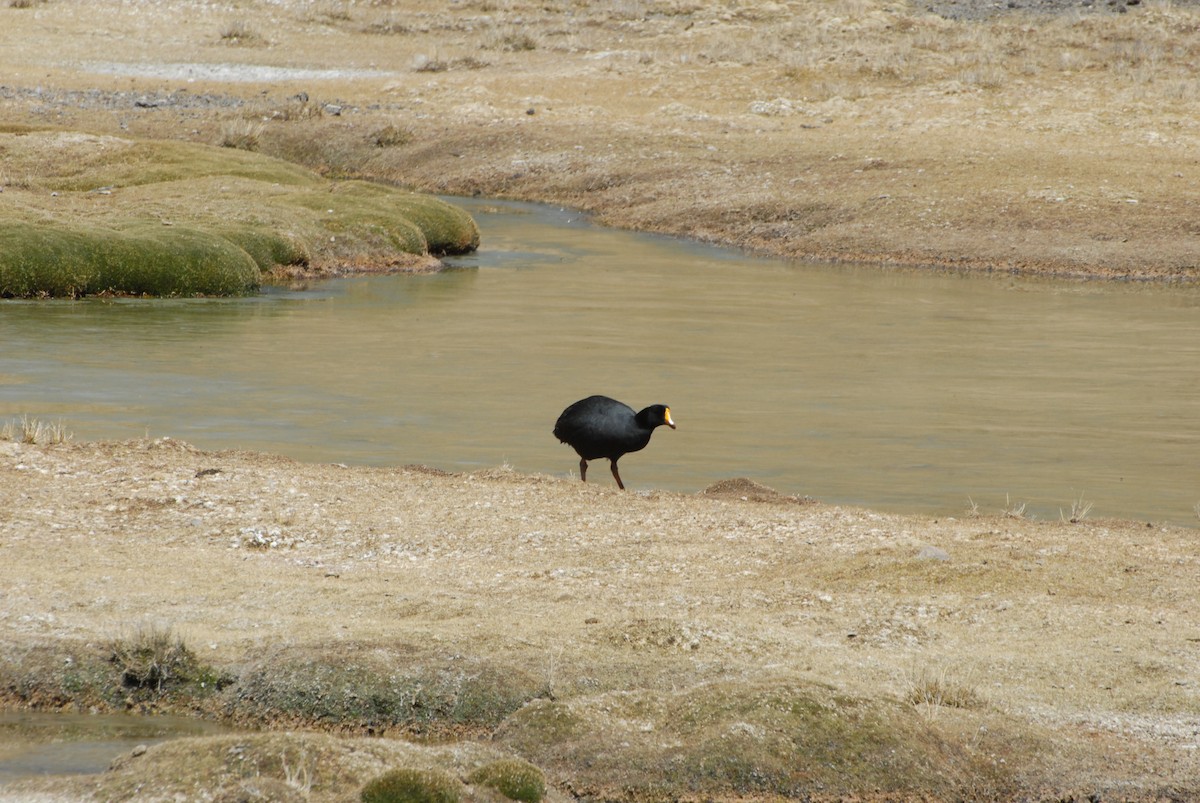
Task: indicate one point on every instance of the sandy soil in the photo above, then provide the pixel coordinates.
(1085, 630)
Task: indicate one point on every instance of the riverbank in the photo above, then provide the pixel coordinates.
(628, 644)
(869, 131)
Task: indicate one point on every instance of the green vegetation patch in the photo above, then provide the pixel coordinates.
(254, 766)
(149, 667)
(407, 785)
(84, 214)
(513, 778)
(55, 259)
(791, 739)
(380, 688)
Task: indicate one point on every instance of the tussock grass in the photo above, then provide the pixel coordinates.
(145, 665)
(32, 430)
(241, 134)
(786, 739)
(287, 768)
(1014, 510)
(151, 657)
(400, 687)
(298, 107)
(389, 24)
(941, 688)
(1080, 508)
(391, 136)
(239, 32)
(513, 778)
(408, 785)
(511, 39)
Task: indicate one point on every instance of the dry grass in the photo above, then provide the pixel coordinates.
(150, 657)
(1014, 510)
(979, 127)
(244, 135)
(33, 430)
(617, 641)
(239, 32)
(1080, 508)
(942, 687)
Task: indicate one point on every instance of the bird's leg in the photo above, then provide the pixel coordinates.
(617, 476)
(583, 470)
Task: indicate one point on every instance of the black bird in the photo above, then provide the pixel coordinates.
(598, 427)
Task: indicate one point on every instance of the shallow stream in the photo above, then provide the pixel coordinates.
(34, 743)
(899, 390)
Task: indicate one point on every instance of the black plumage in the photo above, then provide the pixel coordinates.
(598, 427)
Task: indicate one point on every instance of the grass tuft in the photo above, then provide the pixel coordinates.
(153, 657)
(402, 687)
(940, 689)
(1014, 510)
(238, 32)
(244, 135)
(510, 39)
(513, 778)
(1079, 510)
(770, 739)
(32, 430)
(407, 785)
(391, 136)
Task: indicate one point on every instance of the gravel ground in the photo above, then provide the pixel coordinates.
(988, 9)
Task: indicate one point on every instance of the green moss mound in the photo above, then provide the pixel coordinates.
(763, 739)
(513, 778)
(400, 686)
(412, 786)
(152, 668)
(96, 214)
(41, 259)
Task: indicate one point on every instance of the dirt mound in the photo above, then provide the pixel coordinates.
(747, 489)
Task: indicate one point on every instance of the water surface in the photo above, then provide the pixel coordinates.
(905, 391)
(36, 743)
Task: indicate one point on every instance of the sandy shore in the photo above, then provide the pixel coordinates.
(1079, 633)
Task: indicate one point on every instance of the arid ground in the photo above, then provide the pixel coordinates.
(646, 644)
(641, 646)
(850, 129)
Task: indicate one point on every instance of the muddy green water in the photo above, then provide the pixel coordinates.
(34, 743)
(903, 391)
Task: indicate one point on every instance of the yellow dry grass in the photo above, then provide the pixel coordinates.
(851, 129)
(617, 640)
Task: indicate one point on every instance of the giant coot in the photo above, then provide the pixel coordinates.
(598, 427)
